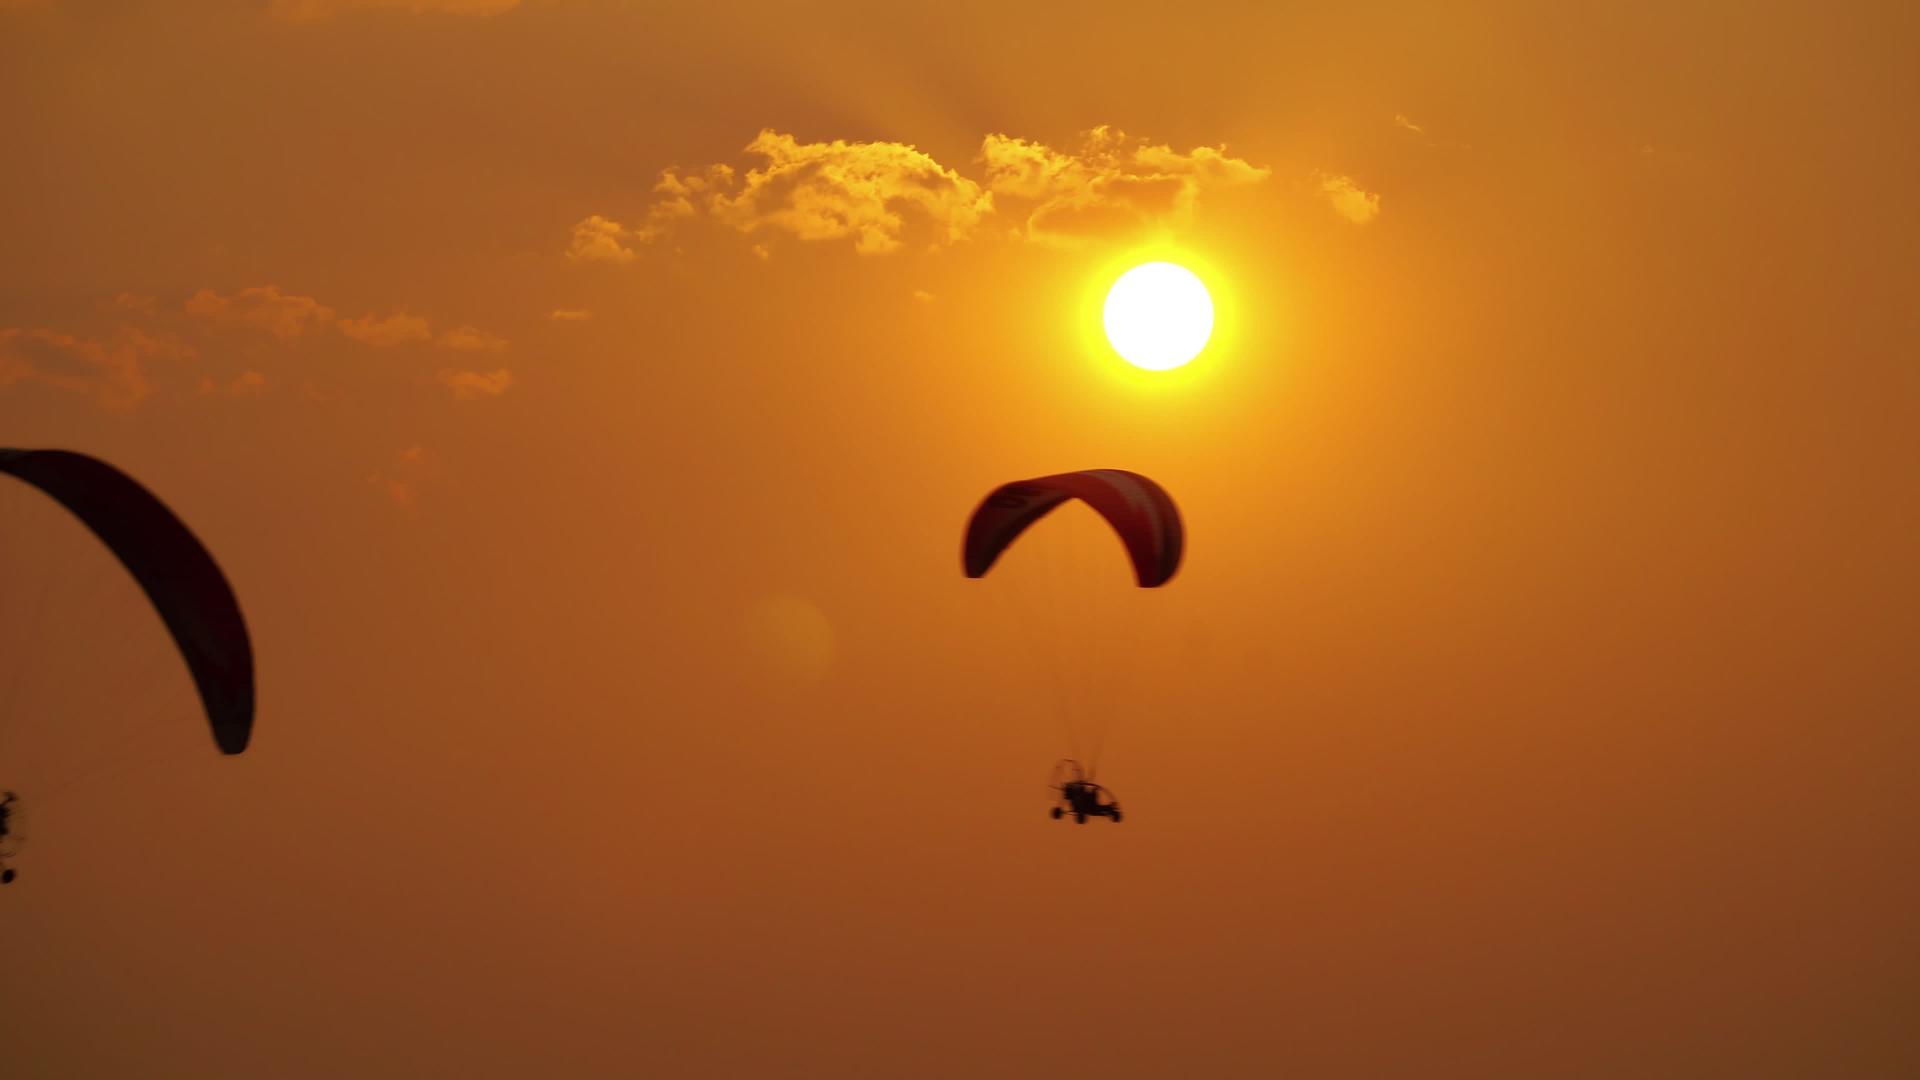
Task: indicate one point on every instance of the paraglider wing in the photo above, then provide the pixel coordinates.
(179, 576)
(1139, 510)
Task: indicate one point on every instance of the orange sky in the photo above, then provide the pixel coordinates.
(585, 400)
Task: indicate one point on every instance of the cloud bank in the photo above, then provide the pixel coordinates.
(113, 369)
(262, 307)
(1109, 184)
(468, 385)
(289, 315)
(885, 197)
(111, 373)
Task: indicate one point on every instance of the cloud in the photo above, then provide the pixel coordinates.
(470, 339)
(134, 302)
(602, 239)
(401, 479)
(288, 316)
(923, 296)
(1406, 124)
(1111, 184)
(677, 194)
(468, 385)
(315, 10)
(1349, 200)
(876, 194)
(885, 196)
(598, 239)
(246, 384)
(398, 328)
(264, 307)
(846, 190)
(570, 315)
(111, 373)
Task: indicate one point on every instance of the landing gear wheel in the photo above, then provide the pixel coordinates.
(1116, 817)
(1079, 819)
(1057, 812)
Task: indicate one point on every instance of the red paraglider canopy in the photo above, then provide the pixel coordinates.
(1139, 510)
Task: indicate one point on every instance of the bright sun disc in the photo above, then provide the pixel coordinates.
(1158, 316)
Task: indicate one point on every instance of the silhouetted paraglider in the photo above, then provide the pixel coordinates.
(1148, 524)
(1080, 796)
(175, 571)
(1139, 510)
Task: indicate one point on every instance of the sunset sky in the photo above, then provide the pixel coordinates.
(585, 399)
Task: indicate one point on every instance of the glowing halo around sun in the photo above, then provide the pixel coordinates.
(1158, 316)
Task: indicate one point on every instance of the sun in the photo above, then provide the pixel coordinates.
(1158, 316)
